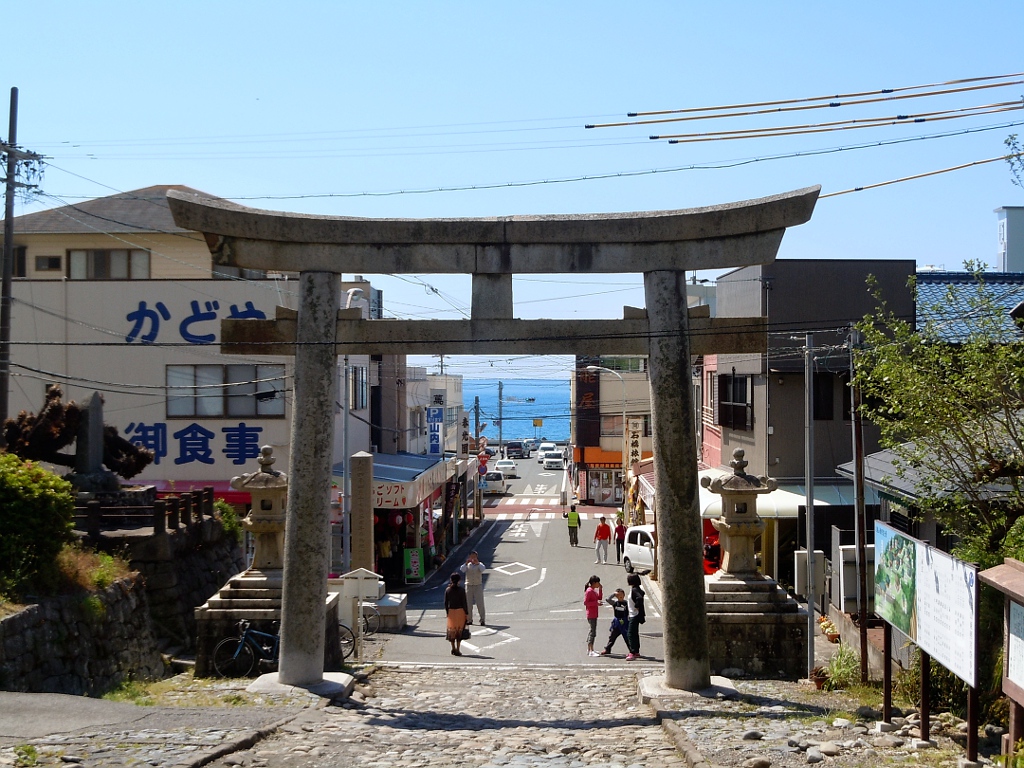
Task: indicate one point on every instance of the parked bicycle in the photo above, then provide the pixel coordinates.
(237, 656)
(371, 619)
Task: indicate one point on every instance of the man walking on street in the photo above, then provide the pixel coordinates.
(574, 526)
(474, 571)
(602, 536)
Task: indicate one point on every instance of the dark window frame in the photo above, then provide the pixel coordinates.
(231, 391)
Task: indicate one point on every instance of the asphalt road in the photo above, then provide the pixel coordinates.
(533, 589)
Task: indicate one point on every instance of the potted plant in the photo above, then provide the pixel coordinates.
(819, 676)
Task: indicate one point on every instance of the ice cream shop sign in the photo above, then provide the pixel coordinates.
(398, 495)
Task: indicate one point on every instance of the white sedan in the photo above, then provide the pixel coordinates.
(507, 467)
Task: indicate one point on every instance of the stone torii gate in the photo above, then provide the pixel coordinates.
(662, 245)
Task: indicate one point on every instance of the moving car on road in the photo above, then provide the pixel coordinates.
(544, 448)
(553, 460)
(507, 467)
(493, 483)
(515, 449)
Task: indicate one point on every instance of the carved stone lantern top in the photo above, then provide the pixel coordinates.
(739, 482)
(266, 479)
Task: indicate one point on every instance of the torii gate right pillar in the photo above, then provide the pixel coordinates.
(680, 561)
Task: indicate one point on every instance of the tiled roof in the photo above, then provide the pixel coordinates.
(141, 210)
(948, 300)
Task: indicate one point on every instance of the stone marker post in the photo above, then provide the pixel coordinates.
(362, 510)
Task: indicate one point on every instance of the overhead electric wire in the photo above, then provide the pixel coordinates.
(749, 108)
(910, 118)
(919, 175)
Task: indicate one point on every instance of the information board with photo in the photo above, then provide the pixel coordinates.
(930, 596)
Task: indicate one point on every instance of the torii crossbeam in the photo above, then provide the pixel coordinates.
(662, 245)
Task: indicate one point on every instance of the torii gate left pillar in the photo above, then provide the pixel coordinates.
(662, 245)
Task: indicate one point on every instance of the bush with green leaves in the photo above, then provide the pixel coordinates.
(36, 520)
(229, 519)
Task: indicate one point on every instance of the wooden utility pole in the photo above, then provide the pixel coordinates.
(8, 266)
(861, 521)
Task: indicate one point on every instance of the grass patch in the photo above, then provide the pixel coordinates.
(131, 691)
(84, 570)
(25, 755)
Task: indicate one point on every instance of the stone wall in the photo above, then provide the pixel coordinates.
(182, 568)
(80, 644)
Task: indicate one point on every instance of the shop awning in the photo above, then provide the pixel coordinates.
(402, 480)
(786, 500)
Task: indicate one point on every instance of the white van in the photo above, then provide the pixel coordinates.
(493, 483)
(544, 448)
(640, 550)
(553, 460)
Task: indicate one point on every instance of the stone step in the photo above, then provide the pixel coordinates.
(766, 609)
(216, 602)
(778, 596)
(740, 585)
(254, 614)
(248, 594)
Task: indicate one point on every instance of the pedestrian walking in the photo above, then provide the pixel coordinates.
(637, 616)
(602, 535)
(456, 609)
(620, 538)
(620, 622)
(592, 596)
(573, 518)
(474, 571)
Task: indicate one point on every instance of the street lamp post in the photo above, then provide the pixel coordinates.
(625, 438)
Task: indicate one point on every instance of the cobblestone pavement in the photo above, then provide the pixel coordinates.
(418, 716)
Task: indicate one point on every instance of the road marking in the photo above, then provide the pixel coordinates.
(543, 573)
(514, 569)
(484, 631)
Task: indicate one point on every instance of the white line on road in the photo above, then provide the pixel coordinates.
(543, 573)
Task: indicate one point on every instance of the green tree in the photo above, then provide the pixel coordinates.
(36, 520)
(948, 398)
(1015, 159)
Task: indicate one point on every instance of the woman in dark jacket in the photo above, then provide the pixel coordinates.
(457, 608)
(637, 616)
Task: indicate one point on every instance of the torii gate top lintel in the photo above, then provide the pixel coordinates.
(712, 237)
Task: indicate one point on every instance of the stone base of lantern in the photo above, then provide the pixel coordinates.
(754, 626)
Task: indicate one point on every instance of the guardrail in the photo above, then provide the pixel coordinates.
(171, 513)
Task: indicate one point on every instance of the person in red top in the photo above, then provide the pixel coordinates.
(620, 538)
(592, 596)
(602, 537)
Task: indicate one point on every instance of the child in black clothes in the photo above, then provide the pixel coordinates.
(620, 623)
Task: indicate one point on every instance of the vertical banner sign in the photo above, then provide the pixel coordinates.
(929, 596)
(435, 421)
(633, 435)
(588, 405)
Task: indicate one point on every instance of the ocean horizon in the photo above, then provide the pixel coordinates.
(523, 401)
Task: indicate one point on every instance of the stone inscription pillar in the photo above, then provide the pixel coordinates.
(680, 558)
(307, 537)
(362, 511)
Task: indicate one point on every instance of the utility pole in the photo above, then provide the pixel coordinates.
(861, 518)
(500, 423)
(8, 266)
(7, 272)
(809, 480)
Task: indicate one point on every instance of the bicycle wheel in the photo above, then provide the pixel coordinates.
(371, 619)
(347, 640)
(233, 657)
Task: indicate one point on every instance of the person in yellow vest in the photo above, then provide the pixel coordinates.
(573, 518)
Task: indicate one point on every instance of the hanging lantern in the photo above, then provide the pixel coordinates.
(376, 520)
(398, 519)
(409, 518)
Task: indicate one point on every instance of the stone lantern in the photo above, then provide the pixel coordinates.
(754, 626)
(739, 524)
(268, 489)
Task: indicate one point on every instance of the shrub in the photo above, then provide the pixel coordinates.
(83, 570)
(36, 519)
(843, 669)
(229, 519)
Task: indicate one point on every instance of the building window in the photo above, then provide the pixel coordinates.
(735, 404)
(824, 407)
(18, 267)
(225, 390)
(611, 426)
(112, 264)
(358, 391)
(49, 263)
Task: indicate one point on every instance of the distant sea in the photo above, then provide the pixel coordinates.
(523, 400)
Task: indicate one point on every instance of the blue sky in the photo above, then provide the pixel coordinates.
(358, 108)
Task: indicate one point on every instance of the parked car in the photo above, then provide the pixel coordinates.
(640, 550)
(494, 484)
(553, 460)
(507, 467)
(544, 448)
(515, 449)
(530, 445)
